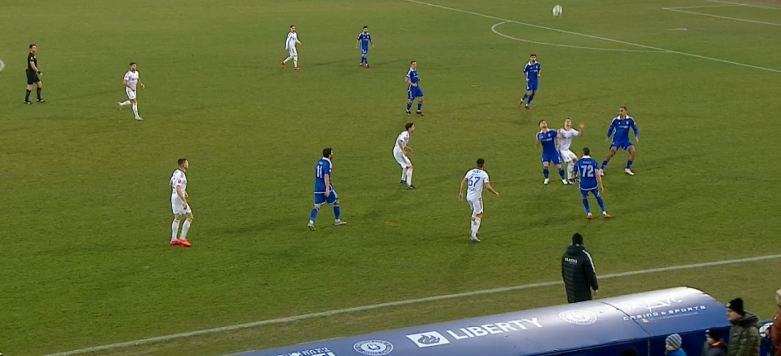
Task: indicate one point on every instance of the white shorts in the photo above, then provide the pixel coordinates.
(177, 206)
(476, 204)
(131, 94)
(402, 159)
(567, 156)
(293, 52)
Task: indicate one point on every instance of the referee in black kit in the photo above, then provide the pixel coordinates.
(33, 75)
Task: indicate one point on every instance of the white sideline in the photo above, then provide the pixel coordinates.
(677, 9)
(597, 37)
(744, 4)
(399, 303)
(494, 30)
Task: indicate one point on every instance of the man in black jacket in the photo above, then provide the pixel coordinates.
(577, 270)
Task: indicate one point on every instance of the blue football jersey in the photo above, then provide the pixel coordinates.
(322, 169)
(532, 71)
(548, 141)
(587, 169)
(365, 39)
(412, 74)
(619, 129)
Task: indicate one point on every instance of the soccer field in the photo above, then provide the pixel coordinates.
(86, 218)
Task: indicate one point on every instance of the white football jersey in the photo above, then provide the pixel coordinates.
(476, 178)
(132, 79)
(178, 179)
(404, 138)
(292, 38)
(565, 138)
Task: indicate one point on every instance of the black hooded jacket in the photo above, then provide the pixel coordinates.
(577, 270)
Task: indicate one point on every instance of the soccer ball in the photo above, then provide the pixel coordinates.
(557, 10)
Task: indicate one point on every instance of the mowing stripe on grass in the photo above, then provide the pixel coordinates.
(665, 50)
(400, 303)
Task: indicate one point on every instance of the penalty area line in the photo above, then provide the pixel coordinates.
(687, 54)
(2, 65)
(289, 319)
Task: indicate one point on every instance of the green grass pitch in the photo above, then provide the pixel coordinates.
(85, 202)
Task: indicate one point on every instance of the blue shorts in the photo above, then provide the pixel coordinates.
(621, 145)
(320, 198)
(584, 192)
(364, 50)
(414, 92)
(532, 85)
(551, 157)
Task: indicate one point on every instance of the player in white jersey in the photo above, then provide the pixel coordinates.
(131, 82)
(565, 136)
(290, 46)
(474, 181)
(179, 204)
(400, 151)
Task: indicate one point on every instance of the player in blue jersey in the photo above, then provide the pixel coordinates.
(413, 88)
(547, 138)
(324, 190)
(590, 182)
(619, 131)
(532, 72)
(364, 40)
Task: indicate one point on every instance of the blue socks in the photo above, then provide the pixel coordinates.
(409, 106)
(601, 203)
(604, 165)
(420, 106)
(545, 172)
(561, 173)
(337, 211)
(313, 214)
(364, 59)
(585, 204)
(529, 102)
(629, 164)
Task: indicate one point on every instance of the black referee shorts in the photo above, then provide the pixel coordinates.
(32, 77)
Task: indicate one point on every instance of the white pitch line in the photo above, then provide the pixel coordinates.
(597, 37)
(2, 65)
(401, 303)
(701, 6)
(494, 30)
(744, 4)
(722, 17)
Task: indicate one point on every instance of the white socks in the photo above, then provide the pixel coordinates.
(125, 103)
(174, 229)
(404, 174)
(287, 59)
(570, 171)
(135, 109)
(475, 226)
(185, 227)
(295, 61)
(409, 175)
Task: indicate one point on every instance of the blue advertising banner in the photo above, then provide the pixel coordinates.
(600, 327)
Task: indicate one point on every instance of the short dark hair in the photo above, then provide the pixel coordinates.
(577, 239)
(412, 61)
(181, 161)
(291, 26)
(364, 26)
(533, 55)
(326, 151)
(408, 125)
(32, 45)
(480, 163)
(538, 124)
(623, 107)
(132, 63)
(586, 151)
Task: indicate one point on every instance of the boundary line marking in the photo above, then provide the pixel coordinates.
(2, 65)
(494, 30)
(401, 303)
(597, 37)
(699, 7)
(744, 4)
(677, 9)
